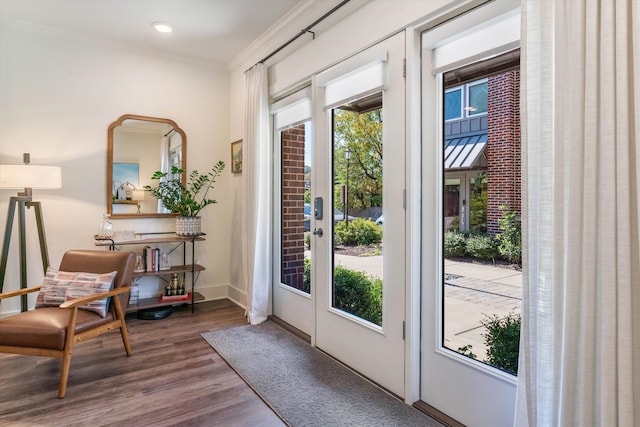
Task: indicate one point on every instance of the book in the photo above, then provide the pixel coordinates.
(186, 297)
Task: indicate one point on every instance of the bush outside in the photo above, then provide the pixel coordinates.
(510, 239)
(503, 341)
(356, 293)
(482, 246)
(502, 338)
(505, 245)
(455, 244)
(360, 231)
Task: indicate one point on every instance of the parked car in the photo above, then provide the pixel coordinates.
(339, 216)
(380, 220)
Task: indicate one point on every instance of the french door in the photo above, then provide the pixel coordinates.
(360, 178)
(452, 380)
(293, 145)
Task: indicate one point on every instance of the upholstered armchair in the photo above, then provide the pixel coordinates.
(74, 303)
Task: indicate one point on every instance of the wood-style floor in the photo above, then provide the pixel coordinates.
(173, 378)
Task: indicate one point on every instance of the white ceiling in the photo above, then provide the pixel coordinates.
(210, 31)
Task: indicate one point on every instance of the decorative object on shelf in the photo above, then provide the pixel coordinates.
(139, 264)
(185, 200)
(138, 196)
(105, 229)
(134, 292)
(164, 261)
(236, 156)
(26, 177)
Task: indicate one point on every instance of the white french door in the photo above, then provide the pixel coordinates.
(360, 161)
(465, 389)
(293, 145)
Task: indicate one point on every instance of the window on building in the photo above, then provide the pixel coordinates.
(465, 100)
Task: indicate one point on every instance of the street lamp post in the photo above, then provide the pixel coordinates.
(347, 155)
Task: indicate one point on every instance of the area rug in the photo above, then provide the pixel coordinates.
(304, 386)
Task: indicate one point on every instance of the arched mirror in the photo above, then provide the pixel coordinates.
(137, 146)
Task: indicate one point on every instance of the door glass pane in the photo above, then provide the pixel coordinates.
(482, 284)
(295, 207)
(357, 208)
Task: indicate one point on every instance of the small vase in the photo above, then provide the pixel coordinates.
(188, 225)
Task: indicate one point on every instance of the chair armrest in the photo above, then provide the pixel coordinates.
(81, 301)
(19, 292)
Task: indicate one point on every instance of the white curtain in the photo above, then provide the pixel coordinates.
(580, 351)
(256, 182)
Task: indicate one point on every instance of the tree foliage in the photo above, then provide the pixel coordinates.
(362, 134)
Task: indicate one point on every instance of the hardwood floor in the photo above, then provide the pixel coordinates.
(173, 378)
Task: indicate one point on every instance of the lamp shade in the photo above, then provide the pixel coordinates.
(137, 195)
(30, 176)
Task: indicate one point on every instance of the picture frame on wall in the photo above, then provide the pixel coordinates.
(125, 180)
(236, 156)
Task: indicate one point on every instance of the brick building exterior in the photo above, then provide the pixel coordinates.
(292, 149)
(503, 146)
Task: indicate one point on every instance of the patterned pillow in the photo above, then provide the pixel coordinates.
(61, 286)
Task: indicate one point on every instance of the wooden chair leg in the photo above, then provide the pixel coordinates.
(123, 326)
(68, 350)
(64, 373)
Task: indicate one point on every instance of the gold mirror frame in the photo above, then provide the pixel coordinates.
(110, 143)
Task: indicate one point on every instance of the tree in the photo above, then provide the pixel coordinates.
(362, 134)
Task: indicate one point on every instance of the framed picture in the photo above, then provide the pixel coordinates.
(125, 179)
(236, 156)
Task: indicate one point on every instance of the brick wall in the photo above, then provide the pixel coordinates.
(503, 146)
(292, 141)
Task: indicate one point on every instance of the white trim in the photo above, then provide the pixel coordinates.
(293, 110)
(497, 34)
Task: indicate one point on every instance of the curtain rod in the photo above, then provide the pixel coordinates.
(304, 31)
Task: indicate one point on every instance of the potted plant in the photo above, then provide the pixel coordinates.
(186, 201)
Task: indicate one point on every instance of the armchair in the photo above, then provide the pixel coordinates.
(53, 331)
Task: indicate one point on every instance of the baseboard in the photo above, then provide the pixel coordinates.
(437, 415)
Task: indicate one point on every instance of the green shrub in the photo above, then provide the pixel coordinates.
(359, 232)
(455, 244)
(503, 341)
(478, 203)
(482, 246)
(306, 276)
(510, 240)
(358, 294)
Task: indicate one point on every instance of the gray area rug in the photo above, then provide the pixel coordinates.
(305, 386)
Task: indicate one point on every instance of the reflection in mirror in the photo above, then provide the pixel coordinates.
(138, 146)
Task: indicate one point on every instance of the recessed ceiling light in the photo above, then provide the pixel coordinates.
(162, 27)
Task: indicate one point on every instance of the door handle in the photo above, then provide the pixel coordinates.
(318, 232)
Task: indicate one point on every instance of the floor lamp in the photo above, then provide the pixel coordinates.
(25, 177)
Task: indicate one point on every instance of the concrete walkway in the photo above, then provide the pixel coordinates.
(472, 292)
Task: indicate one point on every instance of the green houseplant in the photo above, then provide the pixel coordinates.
(185, 200)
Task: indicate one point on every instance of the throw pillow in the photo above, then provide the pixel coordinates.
(61, 286)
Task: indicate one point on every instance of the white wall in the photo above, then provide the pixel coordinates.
(58, 95)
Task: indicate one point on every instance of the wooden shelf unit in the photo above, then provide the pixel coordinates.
(192, 267)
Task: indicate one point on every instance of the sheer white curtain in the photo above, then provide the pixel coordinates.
(256, 190)
(580, 357)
